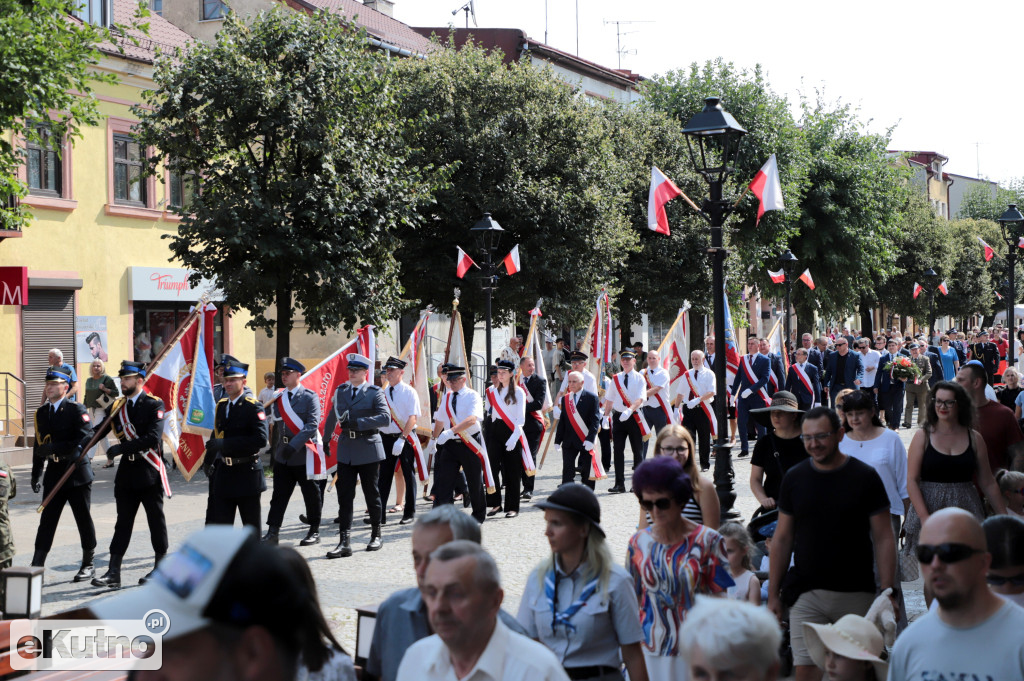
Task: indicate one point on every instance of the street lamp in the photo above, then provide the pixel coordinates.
(930, 276)
(488, 233)
(1011, 223)
(713, 138)
(788, 261)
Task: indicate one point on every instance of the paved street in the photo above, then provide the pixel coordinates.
(365, 578)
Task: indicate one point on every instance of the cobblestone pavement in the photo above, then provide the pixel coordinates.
(366, 578)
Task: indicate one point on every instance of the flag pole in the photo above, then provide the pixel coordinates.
(746, 190)
(105, 425)
(672, 328)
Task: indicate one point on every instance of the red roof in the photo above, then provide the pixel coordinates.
(386, 29)
(163, 34)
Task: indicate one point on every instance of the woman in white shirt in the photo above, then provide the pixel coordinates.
(508, 414)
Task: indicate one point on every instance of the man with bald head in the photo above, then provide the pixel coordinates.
(970, 619)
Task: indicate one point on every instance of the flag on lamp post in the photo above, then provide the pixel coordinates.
(917, 290)
(806, 278)
(767, 187)
(464, 263)
(777, 277)
(943, 289)
(988, 250)
(511, 260)
(662, 191)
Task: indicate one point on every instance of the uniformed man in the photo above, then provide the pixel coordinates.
(63, 427)
(141, 478)
(233, 453)
(459, 417)
(657, 410)
(750, 389)
(625, 396)
(296, 414)
(404, 412)
(536, 389)
(218, 373)
(8, 490)
(697, 395)
(358, 412)
(578, 360)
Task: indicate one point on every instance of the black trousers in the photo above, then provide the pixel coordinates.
(604, 438)
(367, 474)
(622, 431)
(128, 501)
(576, 459)
(891, 404)
(696, 421)
(657, 420)
(446, 471)
(285, 479)
(387, 476)
(495, 449)
(80, 500)
(534, 432)
(221, 510)
(511, 464)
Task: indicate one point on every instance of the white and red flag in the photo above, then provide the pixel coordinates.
(464, 263)
(943, 289)
(917, 290)
(662, 191)
(511, 260)
(999, 295)
(988, 250)
(806, 278)
(1020, 242)
(777, 277)
(767, 187)
(675, 352)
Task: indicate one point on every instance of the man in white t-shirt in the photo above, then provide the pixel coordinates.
(970, 619)
(462, 591)
(870, 358)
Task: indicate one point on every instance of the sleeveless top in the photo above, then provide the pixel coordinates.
(692, 512)
(739, 591)
(939, 467)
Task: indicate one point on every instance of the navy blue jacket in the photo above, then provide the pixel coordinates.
(797, 387)
(854, 370)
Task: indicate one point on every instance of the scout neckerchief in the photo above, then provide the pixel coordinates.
(645, 430)
(494, 399)
(316, 460)
(703, 405)
(151, 456)
(580, 428)
(748, 370)
(551, 594)
(661, 400)
(467, 440)
(414, 442)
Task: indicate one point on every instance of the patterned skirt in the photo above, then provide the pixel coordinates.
(937, 496)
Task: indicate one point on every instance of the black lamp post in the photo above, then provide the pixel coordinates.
(930, 276)
(488, 233)
(713, 138)
(788, 261)
(1011, 223)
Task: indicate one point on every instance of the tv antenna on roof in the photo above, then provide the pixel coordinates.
(619, 33)
(470, 10)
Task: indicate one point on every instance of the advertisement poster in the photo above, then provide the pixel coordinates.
(91, 339)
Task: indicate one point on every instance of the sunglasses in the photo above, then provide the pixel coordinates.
(947, 552)
(995, 580)
(663, 504)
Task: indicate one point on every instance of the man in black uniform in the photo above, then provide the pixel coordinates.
(535, 388)
(297, 420)
(233, 453)
(63, 427)
(141, 476)
(987, 353)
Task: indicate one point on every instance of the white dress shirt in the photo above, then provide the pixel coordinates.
(508, 657)
(636, 390)
(704, 379)
(659, 379)
(404, 402)
(515, 412)
(871, 361)
(468, 404)
(589, 383)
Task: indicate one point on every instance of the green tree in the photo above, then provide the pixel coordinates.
(534, 153)
(45, 58)
(971, 289)
(292, 124)
(983, 202)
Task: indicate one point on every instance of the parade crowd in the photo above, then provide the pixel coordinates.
(811, 585)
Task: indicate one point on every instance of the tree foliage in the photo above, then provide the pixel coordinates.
(292, 124)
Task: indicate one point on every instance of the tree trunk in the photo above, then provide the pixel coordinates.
(283, 328)
(626, 317)
(866, 318)
(804, 320)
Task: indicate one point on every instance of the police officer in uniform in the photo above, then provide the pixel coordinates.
(138, 425)
(63, 427)
(218, 388)
(358, 412)
(466, 408)
(404, 403)
(233, 453)
(296, 413)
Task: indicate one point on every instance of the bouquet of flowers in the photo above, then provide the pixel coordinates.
(902, 368)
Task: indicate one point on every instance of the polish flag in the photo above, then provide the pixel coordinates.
(917, 290)
(942, 287)
(768, 189)
(806, 278)
(511, 261)
(999, 295)
(777, 277)
(662, 191)
(1020, 242)
(988, 250)
(464, 263)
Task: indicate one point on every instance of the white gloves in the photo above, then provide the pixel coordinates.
(396, 450)
(692, 404)
(626, 415)
(431, 448)
(745, 394)
(510, 443)
(816, 404)
(445, 436)
(556, 412)
(588, 445)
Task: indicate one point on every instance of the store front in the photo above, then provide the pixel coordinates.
(161, 298)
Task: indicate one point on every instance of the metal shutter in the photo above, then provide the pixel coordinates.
(48, 321)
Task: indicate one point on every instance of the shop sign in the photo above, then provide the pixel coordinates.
(13, 286)
(167, 284)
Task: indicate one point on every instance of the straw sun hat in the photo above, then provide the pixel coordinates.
(853, 637)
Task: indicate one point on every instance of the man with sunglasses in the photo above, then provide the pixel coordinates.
(970, 618)
(843, 369)
(870, 358)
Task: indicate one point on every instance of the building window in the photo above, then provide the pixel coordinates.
(182, 190)
(95, 12)
(44, 164)
(157, 7)
(213, 9)
(154, 324)
(129, 185)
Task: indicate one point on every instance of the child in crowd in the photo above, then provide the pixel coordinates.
(738, 548)
(1011, 485)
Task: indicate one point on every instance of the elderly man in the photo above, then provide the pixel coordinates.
(974, 634)
(917, 389)
(56, 359)
(657, 411)
(577, 430)
(697, 394)
(462, 590)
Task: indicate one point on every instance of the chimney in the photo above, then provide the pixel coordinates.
(383, 6)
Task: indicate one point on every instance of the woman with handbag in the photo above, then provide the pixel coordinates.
(779, 450)
(100, 392)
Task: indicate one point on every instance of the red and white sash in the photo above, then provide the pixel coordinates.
(316, 459)
(645, 430)
(661, 400)
(495, 401)
(422, 472)
(748, 370)
(703, 405)
(805, 379)
(580, 428)
(468, 440)
(534, 414)
(151, 456)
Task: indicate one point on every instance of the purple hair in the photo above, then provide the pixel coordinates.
(663, 474)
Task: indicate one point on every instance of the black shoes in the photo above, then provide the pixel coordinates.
(526, 496)
(312, 537)
(272, 536)
(86, 571)
(375, 541)
(617, 489)
(344, 548)
(407, 521)
(112, 579)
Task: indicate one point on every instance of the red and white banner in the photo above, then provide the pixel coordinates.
(602, 349)
(495, 403)
(917, 290)
(732, 355)
(415, 351)
(463, 263)
(989, 252)
(675, 351)
(511, 261)
(777, 277)
(662, 191)
(767, 187)
(806, 278)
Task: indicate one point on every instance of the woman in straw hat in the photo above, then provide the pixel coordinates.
(852, 649)
(779, 450)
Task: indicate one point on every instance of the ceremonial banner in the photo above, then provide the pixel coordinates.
(511, 261)
(777, 277)
(917, 290)
(533, 347)
(675, 351)
(732, 356)
(415, 353)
